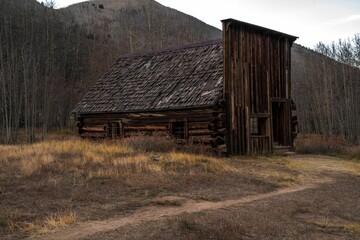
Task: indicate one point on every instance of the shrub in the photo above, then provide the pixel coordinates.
(164, 143)
(150, 143)
(330, 145)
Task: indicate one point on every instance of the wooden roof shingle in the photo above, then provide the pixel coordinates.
(187, 77)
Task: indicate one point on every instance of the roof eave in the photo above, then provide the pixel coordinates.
(259, 28)
(149, 110)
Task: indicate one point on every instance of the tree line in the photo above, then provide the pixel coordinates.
(346, 51)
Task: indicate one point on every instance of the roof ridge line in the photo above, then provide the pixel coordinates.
(171, 49)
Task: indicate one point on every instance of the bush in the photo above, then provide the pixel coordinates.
(329, 145)
(164, 143)
(150, 143)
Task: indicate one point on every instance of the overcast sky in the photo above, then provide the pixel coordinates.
(311, 20)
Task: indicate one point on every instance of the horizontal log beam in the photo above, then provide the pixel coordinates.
(197, 132)
(198, 125)
(146, 128)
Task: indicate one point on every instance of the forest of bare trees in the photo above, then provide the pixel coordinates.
(326, 91)
(38, 59)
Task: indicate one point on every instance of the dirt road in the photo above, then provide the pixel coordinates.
(154, 213)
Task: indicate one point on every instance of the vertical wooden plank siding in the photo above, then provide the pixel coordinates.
(256, 74)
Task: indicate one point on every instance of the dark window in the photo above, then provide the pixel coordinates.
(178, 129)
(254, 123)
(258, 126)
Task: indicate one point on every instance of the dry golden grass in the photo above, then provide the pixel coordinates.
(89, 159)
(10, 220)
(25, 160)
(100, 160)
(327, 226)
(50, 224)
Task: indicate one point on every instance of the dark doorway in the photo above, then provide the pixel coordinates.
(278, 123)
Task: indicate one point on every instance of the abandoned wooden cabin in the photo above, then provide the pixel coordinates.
(232, 93)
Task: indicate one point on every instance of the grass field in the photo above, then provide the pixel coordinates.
(52, 186)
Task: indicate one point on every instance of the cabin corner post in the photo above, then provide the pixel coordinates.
(235, 87)
(228, 134)
(121, 129)
(80, 124)
(291, 104)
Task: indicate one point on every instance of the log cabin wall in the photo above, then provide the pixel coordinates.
(256, 88)
(205, 126)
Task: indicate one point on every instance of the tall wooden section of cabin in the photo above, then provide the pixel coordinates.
(257, 88)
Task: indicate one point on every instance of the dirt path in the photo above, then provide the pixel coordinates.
(153, 213)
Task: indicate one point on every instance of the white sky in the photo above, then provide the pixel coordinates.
(311, 20)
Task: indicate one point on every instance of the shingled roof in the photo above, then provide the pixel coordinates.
(187, 77)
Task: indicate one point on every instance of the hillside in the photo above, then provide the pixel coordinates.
(137, 25)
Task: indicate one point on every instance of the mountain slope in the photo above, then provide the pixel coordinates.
(139, 25)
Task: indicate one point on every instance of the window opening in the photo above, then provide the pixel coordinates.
(258, 126)
(178, 129)
(254, 123)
